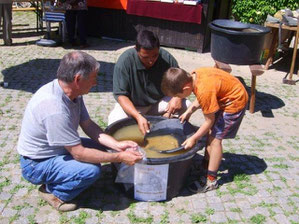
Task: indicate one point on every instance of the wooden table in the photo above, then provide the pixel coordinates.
(274, 44)
(124, 24)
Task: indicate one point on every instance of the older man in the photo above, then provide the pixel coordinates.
(137, 82)
(6, 17)
(52, 152)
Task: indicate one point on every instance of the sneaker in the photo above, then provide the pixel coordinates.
(203, 185)
(55, 202)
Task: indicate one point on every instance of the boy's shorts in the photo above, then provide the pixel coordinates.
(226, 125)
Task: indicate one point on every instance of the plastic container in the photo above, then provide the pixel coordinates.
(237, 46)
(179, 165)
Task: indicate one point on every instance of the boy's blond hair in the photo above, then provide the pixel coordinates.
(174, 80)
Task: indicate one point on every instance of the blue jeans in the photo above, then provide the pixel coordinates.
(64, 176)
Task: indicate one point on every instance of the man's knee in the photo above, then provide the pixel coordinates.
(94, 170)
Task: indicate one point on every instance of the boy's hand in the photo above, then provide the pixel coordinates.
(189, 143)
(174, 105)
(185, 116)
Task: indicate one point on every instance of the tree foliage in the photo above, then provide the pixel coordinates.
(256, 11)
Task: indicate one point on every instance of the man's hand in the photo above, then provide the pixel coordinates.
(130, 157)
(189, 142)
(143, 124)
(174, 105)
(123, 145)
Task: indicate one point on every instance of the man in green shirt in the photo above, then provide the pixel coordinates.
(137, 82)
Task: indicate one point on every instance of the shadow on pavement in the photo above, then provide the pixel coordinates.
(30, 76)
(98, 43)
(283, 62)
(232, 165)
(105, 195)
(264, 102)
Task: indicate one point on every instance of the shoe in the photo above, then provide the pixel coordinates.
(55, 202)
(203, 185)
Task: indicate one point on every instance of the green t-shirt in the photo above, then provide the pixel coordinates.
(141, 85)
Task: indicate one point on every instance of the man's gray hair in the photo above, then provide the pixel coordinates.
(76, 62)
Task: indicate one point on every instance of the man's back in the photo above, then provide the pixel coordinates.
(50, 121)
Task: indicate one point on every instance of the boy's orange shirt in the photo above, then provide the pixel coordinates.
(216, 90)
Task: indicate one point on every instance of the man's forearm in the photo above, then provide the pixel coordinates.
(91, 155)
(128, 106)
(91, 129)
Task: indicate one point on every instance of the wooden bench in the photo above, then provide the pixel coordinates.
(36, 8)
(23, 9)
(255, 70)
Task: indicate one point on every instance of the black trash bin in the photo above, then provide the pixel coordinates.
(237, 43)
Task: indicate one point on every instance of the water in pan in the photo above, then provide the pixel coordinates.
(152, 145)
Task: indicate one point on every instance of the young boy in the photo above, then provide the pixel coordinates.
(222, 99)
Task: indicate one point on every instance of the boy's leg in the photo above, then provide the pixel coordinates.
(215, 153)
(209, 180)
(226, 126)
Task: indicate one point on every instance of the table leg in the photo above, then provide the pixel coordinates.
(294, 54)
(272, 49)
(252, 97)
(255, 70)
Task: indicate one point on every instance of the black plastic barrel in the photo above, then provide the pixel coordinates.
(237, 46)
(179, 165)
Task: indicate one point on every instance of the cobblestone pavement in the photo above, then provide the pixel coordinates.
(258, 175)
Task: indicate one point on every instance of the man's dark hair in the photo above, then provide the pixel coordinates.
(173, 81)
(147, 40)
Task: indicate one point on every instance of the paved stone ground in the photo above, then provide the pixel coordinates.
(258, 175)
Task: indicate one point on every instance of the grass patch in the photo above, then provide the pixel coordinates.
(135, 219)
(281, 166)
(81, 219)
(210, 211)
(164, 218)
(4, 183)
(236, 210)
(198, 218)
(243, 185)
(258, 219)
(181, 211)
